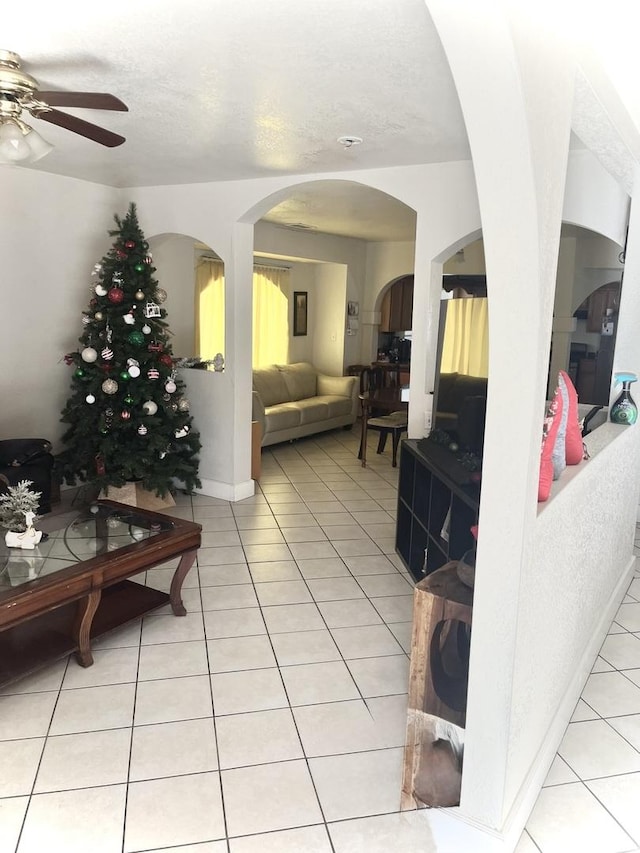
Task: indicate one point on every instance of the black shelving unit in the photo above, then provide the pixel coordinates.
(437, 506)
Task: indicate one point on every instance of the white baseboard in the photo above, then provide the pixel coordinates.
(227, 491)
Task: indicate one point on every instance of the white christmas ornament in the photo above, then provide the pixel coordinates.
(146, 329)
(149, 407)
(142, 430)
(100, 290)
(180, 433)
(161, 294)
(152, 310)
(107, 354)
(90, 398)
(170, 386)
(89, 354)
(129, 319)
(134, 371)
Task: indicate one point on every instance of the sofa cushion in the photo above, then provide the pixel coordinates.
(282, 416)
(337, 405)
(301, 380)
(312, 410)
(270, 385)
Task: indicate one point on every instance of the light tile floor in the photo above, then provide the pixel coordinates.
(271, 719)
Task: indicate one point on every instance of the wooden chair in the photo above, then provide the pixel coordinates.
(394, 424)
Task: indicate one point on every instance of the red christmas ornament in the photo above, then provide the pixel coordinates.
(129, 244)
(165, 358)
(120, 255)
(68, 358)
(154, 346)
(93, 302)
(115, 295)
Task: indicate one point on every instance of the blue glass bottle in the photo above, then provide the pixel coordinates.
(624, 410)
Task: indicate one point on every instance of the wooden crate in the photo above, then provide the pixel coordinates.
(437, 690)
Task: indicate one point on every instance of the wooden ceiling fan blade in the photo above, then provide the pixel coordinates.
(86, 100)
(83, 128)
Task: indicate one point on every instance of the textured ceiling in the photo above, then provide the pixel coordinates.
(237, 89)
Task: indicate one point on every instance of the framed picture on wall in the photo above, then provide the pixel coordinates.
(299, 313)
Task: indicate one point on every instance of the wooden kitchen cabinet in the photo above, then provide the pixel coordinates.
(397, 306)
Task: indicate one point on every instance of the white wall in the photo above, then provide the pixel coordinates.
(173, 258)
(328, 310)
(53, 230)
(303, 278)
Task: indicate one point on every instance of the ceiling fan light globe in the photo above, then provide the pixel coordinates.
(38, 147)
(13, 146)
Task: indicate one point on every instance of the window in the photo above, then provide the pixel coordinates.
(209, 308)
(270, 312)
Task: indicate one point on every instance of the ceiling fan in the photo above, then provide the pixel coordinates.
(20, 92)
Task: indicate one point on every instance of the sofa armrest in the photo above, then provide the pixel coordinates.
(257, 411)
(341, 386)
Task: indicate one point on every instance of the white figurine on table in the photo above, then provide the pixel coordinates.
(27, 539)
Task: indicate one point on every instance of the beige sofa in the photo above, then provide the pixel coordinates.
(294, 400)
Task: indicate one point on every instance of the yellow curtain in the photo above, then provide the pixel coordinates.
(209, 308)
(270, 316)
(465, 347)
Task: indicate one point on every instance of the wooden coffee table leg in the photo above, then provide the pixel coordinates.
(175, 593)
(82, 629)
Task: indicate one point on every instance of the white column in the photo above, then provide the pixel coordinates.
(515, 89)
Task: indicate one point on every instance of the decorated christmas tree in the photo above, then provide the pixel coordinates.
(129, 419)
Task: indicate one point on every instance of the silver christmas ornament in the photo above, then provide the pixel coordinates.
(139, 295)
(89, 355)
(161, 294)
(183, 405)
(97, 315)
(109, 386)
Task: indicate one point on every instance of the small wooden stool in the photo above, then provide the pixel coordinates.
(442, 609)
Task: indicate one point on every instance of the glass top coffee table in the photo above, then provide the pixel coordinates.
(74, 586)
